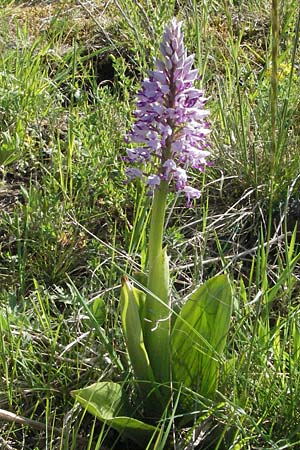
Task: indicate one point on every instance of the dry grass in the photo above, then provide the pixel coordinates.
(79, 21)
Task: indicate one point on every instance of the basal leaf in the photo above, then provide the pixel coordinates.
(199, 336)
(132, 304)
(107, 402)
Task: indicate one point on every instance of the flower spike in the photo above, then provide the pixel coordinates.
(170, 127)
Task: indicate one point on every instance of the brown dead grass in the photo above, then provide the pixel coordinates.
(72, 20)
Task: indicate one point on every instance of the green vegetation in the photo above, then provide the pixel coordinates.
(70, 227)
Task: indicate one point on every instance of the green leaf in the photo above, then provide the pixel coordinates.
(8, 156)
(132, 305)
(157, 313)
(199, 336)
(4, 323)
(107, 402)
(283, 278)
(98, 310)
(141, 278)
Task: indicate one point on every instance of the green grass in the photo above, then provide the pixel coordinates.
(70, 227)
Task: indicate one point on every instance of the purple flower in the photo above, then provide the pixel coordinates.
(190, 193)
(152, 182)
(133, 173)
(170, 125)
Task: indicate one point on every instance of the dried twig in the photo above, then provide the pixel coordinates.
(12, 417)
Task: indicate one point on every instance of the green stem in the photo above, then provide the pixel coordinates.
(274, 117)
(274, 87)
(157, 223)
(157, 308)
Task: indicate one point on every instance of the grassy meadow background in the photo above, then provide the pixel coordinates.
(70, 227)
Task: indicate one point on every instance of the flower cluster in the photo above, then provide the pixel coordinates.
(170, 125)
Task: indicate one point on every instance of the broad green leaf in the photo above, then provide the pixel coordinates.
(157, 313)
(98, 310)
(141, 278)
(107, 402)
(199, 336)
(132, 304)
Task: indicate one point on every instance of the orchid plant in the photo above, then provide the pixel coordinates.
(168, 351)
